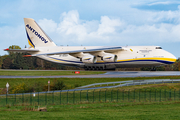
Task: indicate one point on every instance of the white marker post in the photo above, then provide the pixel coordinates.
(48, 85)
(7, 85)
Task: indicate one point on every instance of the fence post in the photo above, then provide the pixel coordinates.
(123, 95)
(73, 96)
(150, 95)
(15, 97)
(128, 95)
(99, 95)
(111, 95)
(93, 95)
(170, 94)
(179, 93)
(105, 95)
(117, 95)
(165, 94)
(139, 95)
(22, 97)
(38, 97)
(134, 94)
(160, 95)
(53, 96)
(31, 98)
(46, 98)
(60, 97)
(174, 94)
(145, 95)
(67, 96)
(6, 98)
(87, 95)
(155, 94)
(80, 95)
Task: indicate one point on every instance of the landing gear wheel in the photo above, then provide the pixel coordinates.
(153, 69)
(101, 68)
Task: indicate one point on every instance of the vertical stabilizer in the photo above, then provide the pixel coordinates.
(36, 36)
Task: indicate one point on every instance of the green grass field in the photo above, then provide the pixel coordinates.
(98, 111)
(101, 110)
(45, 72)
(146, 93)
(72, 82)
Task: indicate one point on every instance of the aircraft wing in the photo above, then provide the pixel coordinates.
(21, 50)
(90, 51)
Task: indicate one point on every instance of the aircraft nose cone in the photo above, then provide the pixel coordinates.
(173, 57)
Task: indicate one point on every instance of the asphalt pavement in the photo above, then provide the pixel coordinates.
(109, 74)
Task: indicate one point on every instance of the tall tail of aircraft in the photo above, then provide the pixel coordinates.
(36, 36)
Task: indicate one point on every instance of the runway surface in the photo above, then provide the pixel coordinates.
(109, 74)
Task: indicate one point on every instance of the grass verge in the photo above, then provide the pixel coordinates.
(45, 73)
(104, 111)
(71, 82)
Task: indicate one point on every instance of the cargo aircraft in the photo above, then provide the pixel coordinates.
(91, 57)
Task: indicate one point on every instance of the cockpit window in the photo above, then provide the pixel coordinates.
(158, 47)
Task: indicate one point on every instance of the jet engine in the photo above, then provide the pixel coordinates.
(109, 58)
(89, 59)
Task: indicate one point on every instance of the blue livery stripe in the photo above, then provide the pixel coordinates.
(160, 61)
(29, 39)
(65, 60)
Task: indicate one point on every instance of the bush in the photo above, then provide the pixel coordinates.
(37, 87)
(51, 87)
(58, 85)
(77, 85)
(19, 88)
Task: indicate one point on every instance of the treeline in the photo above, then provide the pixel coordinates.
(171, 67)
(16, 60)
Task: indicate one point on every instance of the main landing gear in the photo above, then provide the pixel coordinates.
(99, 67)
(153, 69)
(93, 68)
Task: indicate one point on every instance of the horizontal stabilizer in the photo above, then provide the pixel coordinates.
(21, 50)
(27, 55)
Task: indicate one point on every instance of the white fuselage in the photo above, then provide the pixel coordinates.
(130, 56)
(91, 57)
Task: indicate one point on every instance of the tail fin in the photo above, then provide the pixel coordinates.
(36, 36)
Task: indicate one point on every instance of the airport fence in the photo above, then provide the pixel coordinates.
(90, 96)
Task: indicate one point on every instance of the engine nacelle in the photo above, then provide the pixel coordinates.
(109, 58)
(89, 59)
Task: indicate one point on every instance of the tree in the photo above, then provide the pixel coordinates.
(7, 63)
(13, 47)
(39, 63)
(18, 61)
